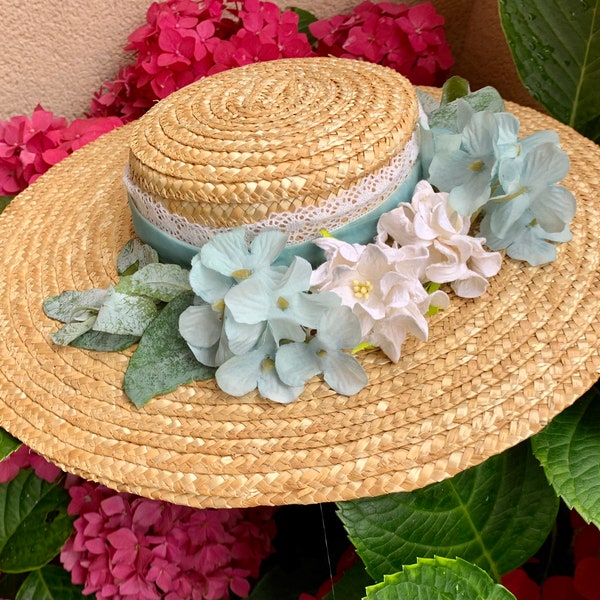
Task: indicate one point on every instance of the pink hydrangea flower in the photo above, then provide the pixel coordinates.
(129, 548)
(22, 458)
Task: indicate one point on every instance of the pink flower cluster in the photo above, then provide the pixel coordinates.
(30, 146)
(129, 548)
(583, 584)
(410, 40)
(23, 458)
(184, 41)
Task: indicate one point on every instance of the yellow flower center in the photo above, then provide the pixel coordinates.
(241, 274)
(219, 305)
(362, 289)
(267, 364)
(282, 303)
(477, 166)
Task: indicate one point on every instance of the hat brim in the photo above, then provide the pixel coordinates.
(494, 371)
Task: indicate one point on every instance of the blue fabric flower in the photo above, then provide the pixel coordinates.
(338, 329)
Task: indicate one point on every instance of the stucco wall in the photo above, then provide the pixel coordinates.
(58, 53)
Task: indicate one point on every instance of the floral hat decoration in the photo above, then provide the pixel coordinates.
(301, 281)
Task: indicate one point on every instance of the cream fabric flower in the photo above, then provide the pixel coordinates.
(454, 257)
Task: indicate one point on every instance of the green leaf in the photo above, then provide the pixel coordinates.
(157, 281)
(495, 515)
(287, 585)
(439, 578)
(50, 583)
(124, 314)
(305, 19)
(104, 342)
(4, 201)
(73, 305)
(555, 46)
(8, 444)
(455, 87)
(34, 523)
(569, 450)
(486, 98)
(352, 584)
(134, 256)
(163, 361)
(71, 331)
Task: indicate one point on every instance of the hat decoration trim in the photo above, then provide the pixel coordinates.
(254, 324)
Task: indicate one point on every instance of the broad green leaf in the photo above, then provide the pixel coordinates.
(495, 515)
(163, 361)
(134, 256)
(287, 585)
(104, 342)
(555, 45)
(124, 314)
(50, 583)
(352, 584)
(446, 116)
(439, 578)
(73, 305)
(305, 18)
(8, 444)
(34, 523)
(569, 450)
(4, 201)
(158, 281)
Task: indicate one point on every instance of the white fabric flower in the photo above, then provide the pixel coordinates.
(454, 257)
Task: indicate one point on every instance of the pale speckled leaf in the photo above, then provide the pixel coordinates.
(124, 314)
(569, 450)
(101, 341)
(437, 578)
(163, 361)
(73, 305)
(134, 256)
(158, 281)
(71, 331)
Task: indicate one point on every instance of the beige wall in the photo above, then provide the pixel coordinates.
(58, 52)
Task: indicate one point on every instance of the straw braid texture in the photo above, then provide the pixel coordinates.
(276, 136)
(494, 371)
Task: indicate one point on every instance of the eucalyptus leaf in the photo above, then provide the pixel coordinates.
(34, 523)
(437, 578)
(4, 202)
(495, 515)
(556, 48)
(8, 444)
(73, 306)
(569, 450)
(134, 256)
(71, 331)
(163, 361)
(100, 341)
(158, 281)
(446, 116)
(50, 583)
(124, 314)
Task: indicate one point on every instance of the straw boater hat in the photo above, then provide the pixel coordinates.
(494, 371)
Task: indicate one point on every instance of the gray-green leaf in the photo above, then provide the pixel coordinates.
(556, 48)
(439, 578)
(134, 256)
(100, 341)
(8, 444)
(569, 450)
(73, 306)
(158, 281)
(163, 361)
(34, 523)
(495, 515)
(4, 202)
(71, 331)
(124, 314)
(50, 583)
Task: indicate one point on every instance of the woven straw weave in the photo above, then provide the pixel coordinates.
(495, 369)
(274, 136)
